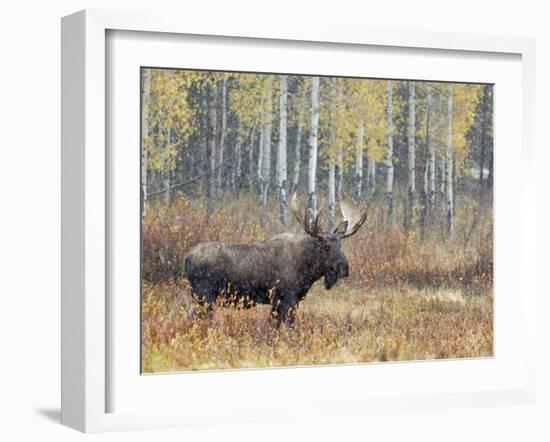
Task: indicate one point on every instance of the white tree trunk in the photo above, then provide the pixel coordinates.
(250, 165)
(411, 186)
(221, 147)
(266, 162)
(441, 159)
(483, 129)
(431, 153)
(442, 180)
(237, 170)
(340, 171)
(144, 135)
(212, 152)
(332, 162)
(298, 145)
(166, 172)
(281, 152)
(339, 154)
(297, 159)
(449, 165)
(389, 154)
(359, 160)
(426, 174)
(204, 182)
(371, 177)
(259, 177)
(331, 191)
(426, 196)
(313, 145)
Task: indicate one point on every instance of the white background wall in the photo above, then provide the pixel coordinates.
(30, 216)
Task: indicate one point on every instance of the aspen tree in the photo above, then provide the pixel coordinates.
(389, 154)
(221, 146)
(281, 151)
(212, 152)
(145, 117)
(411, 169)
(331, 158)
(449, 163)
(359, 160)
(313, 146)
(298, 143)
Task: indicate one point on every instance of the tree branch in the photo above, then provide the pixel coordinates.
(176, 186)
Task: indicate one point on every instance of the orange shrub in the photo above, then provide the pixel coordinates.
(377, 255)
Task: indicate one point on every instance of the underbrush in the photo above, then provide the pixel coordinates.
(412, 294)
(378, 255)
(344, 325)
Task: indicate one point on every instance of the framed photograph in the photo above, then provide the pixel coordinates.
(266, 223)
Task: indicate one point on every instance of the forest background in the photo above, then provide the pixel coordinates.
(221, 154)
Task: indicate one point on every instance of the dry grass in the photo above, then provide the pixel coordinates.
(409, 297)
(344, 325)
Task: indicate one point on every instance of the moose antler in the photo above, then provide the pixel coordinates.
(313, 229)
(353, 216)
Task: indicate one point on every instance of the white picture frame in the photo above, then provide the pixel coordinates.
(85, 209)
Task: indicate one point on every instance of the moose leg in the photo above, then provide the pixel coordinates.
(284, 308)
(199, 306)
(203, 298)
(191, 311)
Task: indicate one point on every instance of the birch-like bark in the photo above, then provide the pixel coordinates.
(281, 152)
(449, 161)
(331, 191)
(259, 177)
(221, 147)
(455, 181)
(332, 163)
(490, 176)
(442, 181)
(371, 177)
(205, 112)
(425, 183)
(359, 160)
(389, 154)
(179, 173)
(339, 152)
(297, 159)
(266, 162)
(313, 145)
(144, 137)
(250, 168)
(483, 130)
(482, 153)
(237, 169)
(166, 172)
(427, 165)
(298, 145)
(431, 153)
(212, 152)
(340, 170)
(411, 186)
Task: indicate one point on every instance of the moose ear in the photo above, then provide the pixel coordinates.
(341, 229)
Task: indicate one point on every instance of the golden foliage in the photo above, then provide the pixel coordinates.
(345, 105)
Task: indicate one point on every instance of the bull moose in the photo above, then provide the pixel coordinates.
(278, 271)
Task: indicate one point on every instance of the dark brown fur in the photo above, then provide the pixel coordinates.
(277, 271)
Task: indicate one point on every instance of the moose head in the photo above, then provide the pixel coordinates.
(333, 261)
